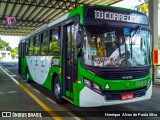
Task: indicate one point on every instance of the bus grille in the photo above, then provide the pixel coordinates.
(116, 95)
(124, 74)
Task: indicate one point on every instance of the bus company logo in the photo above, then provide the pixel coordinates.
(127, 85)
(127, 77)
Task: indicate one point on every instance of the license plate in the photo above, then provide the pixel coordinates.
(126, 96)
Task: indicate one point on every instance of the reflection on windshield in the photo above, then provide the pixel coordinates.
(115, 48)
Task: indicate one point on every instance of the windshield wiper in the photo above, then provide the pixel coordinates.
(135, 33)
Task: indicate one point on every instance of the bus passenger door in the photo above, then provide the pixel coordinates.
(69, 59)
(19, 58)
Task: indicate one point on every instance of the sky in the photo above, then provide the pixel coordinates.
(131, 4)
(14, 40)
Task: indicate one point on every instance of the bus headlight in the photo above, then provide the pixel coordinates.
(96, 88)
(93, 86)
(87, 82)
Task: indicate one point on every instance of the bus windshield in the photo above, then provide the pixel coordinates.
(116, 47)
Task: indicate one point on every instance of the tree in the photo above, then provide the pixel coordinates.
(158, 37)
(143, 8)
(4, 45)
(14, 52)
(54, 48)
(16, 48)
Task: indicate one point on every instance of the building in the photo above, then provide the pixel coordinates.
(5, 55)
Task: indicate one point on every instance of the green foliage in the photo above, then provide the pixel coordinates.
(158, 37)
(13, 54)
(54, 48)
(36, 50)
(45, 49)
(4, 45)
(31, 50)
(16, 48)
(13, 50)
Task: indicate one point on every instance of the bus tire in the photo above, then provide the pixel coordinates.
(57, 91)
(27, 76)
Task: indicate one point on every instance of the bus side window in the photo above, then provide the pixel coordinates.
(44, 45)
(54, 45)
(20, 55)
(27, 45)
(31, 46)
(23, 49)
(37, 45)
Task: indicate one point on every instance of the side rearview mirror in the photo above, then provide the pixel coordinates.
(79, 39)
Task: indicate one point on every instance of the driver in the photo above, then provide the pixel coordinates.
(100, 50)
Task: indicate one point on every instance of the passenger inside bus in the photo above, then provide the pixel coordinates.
(104, 48)
(100, 50)
(95, 43)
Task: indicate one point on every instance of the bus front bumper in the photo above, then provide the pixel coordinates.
(89, 98)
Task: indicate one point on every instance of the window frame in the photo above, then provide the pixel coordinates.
(37, 45)
(31, 40)
(57, 30)
(44, 43)
(27, 46)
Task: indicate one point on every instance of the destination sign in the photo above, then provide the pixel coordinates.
(116, 15)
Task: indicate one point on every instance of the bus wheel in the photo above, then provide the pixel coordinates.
(27, 76)
(57, 91)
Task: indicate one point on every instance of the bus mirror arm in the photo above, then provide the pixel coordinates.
(79, 42)
(79, 39)
(80, 52)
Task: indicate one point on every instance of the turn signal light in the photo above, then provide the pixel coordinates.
(155, 57)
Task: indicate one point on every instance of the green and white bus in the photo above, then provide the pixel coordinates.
(92, 56)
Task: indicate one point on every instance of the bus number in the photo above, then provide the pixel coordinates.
(99, 14)
(141, 83)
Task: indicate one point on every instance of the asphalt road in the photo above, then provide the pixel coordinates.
(152, 105)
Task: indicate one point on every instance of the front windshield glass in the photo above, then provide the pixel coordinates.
(116, 47)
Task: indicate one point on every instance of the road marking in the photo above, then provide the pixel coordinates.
(28, 84)
(67, 99)
(11, 92)
(44, 106)
(78, 118)
(51, 100)
(13, 75)
(1, 93)
(37, 90)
